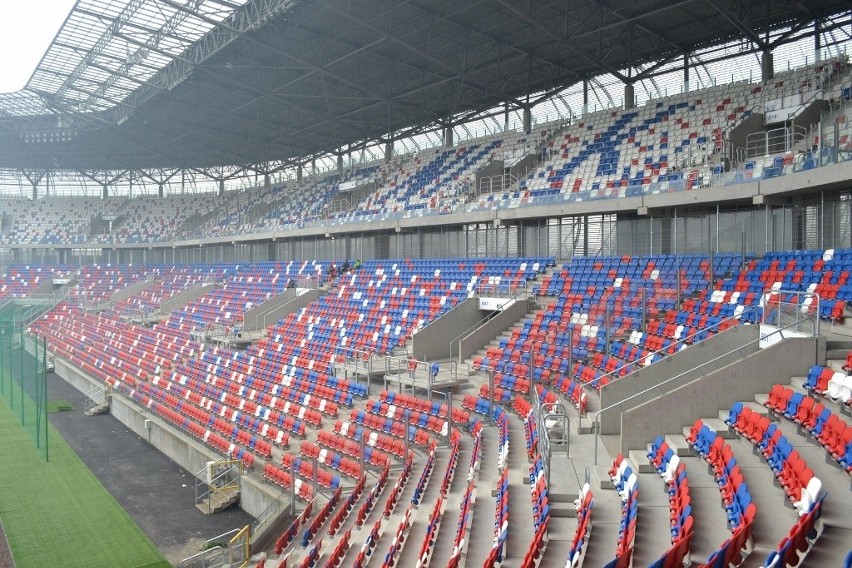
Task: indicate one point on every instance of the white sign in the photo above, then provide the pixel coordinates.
(494, 304)
(770, 335)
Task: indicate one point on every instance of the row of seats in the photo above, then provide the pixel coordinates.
(352, 448)
(734, 493)
(626, 482)
(834, 433)
(346, 507)
(796, 478)
(371, 499)
(673, 471)
(399, 538)
(425, 476)
(833, 384)
(466, 506)
(313, 526)
(396, 490)
(580, 541)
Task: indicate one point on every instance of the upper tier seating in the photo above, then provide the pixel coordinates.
(20, 281)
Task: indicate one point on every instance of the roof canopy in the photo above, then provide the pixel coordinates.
(131, 84)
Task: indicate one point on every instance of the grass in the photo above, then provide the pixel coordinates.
(58, 513)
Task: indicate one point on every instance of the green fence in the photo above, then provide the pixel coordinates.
(23, 376)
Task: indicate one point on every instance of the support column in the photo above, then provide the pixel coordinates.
(299, 173)
(505, 117)
(817, 41)
(313, 166)
(527, 120)
(104, 191)
(388, 150)
(35, 191)
(340, 163)
(585, 96)
(266, 181)
(222, 186)
(160, 191)
(629, 96)
(685, 72)
(767, 66)
(448, 137)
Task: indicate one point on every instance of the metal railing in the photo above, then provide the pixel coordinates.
(521, 293)
(496, 184)
(778, 312)
(739, 349)
(774, 142)
(217, 476)
(228, 550)
(411, 368)
(545, 412)
(615, 375)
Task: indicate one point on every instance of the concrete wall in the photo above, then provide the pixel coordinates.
(132, 290)
(477, 339)
(737, 136)
(524, 165)
(433, 341)
(277, 307)
(256, 495)
(495, 168)
(183, 298)
(692, 361)
(705, 397)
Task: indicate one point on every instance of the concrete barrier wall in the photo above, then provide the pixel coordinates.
(183, 298)
(705, 397)
(492, 328)
(255, 495)
(433, 341)
(278, 307)
(691, 362)
(132, 290)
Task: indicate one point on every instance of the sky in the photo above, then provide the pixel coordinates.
(26, 29)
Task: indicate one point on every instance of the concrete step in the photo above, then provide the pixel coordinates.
(678, 444)
(710, 519)
(640, 459)
(756, 407)
(219, 500)
(718, 424)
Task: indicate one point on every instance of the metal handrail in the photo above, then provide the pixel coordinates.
(482, 321)
(799, 304)
(596, 419)
(663, 352)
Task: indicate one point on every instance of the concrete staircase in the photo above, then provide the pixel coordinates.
(219, 500)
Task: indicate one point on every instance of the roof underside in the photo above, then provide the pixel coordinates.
(130, 84)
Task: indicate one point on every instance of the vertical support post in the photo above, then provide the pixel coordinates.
(363, 455)
(44, 400)
(292, 494)
(644, 309)
(22, 375)
(316, 475)
(407, 441)
(571, 352)
(449, 414)
(491, 393)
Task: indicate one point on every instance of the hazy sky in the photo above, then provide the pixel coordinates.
(26, 29)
